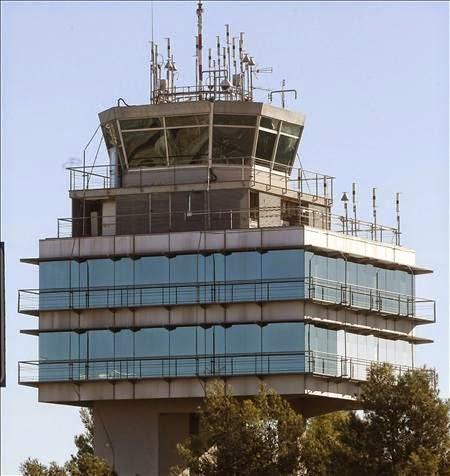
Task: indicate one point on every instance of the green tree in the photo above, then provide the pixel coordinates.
(257, 437)
(82, 463)
(323, 451)
(403, 430)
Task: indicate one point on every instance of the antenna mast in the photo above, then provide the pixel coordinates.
(200, 45)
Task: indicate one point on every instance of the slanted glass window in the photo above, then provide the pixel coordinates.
(195, 120)
(269, 123)
(291, 129)
(232, 142)
(285, 156)
(264, 148)
(145, 149)
(144, 123)
(188, 145)
(234, 120)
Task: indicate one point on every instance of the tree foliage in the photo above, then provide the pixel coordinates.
(257, 437)
(403, 430)
(82, 463)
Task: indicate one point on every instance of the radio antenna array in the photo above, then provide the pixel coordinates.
(228, 77)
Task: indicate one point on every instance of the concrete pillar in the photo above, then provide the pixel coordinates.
(139, 437)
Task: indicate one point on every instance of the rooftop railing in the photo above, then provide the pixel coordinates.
(355, 297)
(214, 365)
(227, 219)
(257, 171)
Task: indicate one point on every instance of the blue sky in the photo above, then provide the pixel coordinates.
(372, 80)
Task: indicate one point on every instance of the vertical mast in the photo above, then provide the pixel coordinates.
(200, 45)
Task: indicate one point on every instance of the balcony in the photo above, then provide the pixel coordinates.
(326, 292)
(280, 178)
(201, 366)
(261, 217)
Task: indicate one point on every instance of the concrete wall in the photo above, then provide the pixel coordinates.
(140, 437)
(294, 386)
(270, 238)
(272, 311)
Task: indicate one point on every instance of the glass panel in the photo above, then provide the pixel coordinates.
(287, 147)
(188, 146)
(54, 274)
(152, 342)
(269, 123)
(124, 272)
(144, 123)
(284, 337)
(55, 345)
(100, 272)
(283, 271)
(243, 339)
(176, 121)
(145, 148)
(241, 267)
(183, 343)
(236, 120)
(232, 142)
(266, 143)
(292, 129)
(152, 270)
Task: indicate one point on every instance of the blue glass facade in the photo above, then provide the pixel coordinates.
(218, 277)
(195, 350)
(217, 350)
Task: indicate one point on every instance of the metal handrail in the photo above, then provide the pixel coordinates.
(292, 178)
(204, 365)
(242, 218)
(310, 288)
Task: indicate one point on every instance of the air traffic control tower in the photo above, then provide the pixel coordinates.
(201, 251)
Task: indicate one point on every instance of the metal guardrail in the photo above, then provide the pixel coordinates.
(278, 176)
(212, 365)
(32, 301)
(261, 217)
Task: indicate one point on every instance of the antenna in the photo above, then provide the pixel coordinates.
(283, 92)
(374, 211)
(397, 209)
(354, 207)
(344, 200)
(200, 44)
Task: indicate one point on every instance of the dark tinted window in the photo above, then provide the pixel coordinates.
(188, 146)
(145, 123)
(145, 148)
(232, 142)
(287, 146)
(269, 123)
(266, 143)
(234, 120)
(176, 121)
(292, 129)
